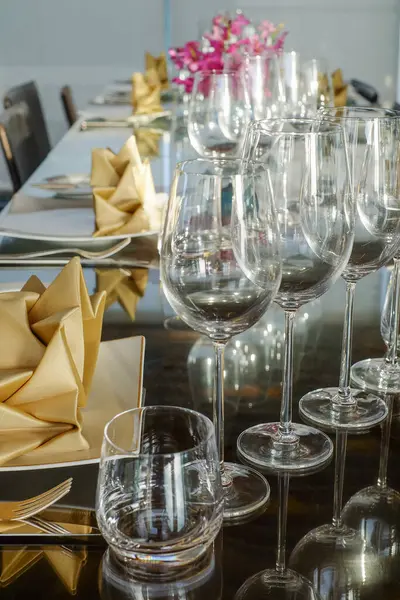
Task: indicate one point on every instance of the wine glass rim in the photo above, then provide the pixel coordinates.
(216, 162)
(376, 113)
(262, 124)
(160, 408)
(218, 71)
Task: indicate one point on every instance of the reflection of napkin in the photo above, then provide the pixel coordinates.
(159, 64)
(146, 93)
(67, 566)
(107, 167)
(125, 287)
(339, 88)
(47, 363)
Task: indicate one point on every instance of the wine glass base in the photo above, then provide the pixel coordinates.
(279, 586)
(318, 408)
(248, 492)
(377, 375)
(258, 446)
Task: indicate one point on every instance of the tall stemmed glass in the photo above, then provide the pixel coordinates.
(383, 374)
(210, 289)
(374, 146)
(263, 78)
(310, 177)
(281, 583)
(219, 111)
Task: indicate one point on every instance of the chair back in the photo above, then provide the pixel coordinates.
(69, 106)
(28, 93)
(18, 143)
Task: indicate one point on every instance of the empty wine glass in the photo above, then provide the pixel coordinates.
(374, 150)
(219, 111)
(262, 74)
(310, 177)
(212, 290)
(383, 374)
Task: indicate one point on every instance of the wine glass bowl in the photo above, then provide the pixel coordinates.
(219, 111)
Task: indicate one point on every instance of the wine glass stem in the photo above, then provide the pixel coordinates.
(345, 358)
(340, 460)
(385, 441)
(218, 406)
(283, 483)
(287, 387)
(391, 356)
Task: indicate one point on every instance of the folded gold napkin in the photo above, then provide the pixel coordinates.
(67, 566)
(132, 205)
(339, 88)
(123, 286)
(159, 64)
(146, 93)
(51, 340)
(107, 167)
(147, 141)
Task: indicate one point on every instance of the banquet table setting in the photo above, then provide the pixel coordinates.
(200, 311)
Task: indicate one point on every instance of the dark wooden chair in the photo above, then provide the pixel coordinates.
(18, 142)
(28, 93)
(69, 106)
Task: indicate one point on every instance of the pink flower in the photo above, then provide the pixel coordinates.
(266, 29)
(238, 24)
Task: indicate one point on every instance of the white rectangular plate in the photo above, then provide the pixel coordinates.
(54, 220)
(117, 386)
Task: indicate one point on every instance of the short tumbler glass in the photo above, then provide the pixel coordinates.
(159, 494)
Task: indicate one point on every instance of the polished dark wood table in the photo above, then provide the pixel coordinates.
(178, 371)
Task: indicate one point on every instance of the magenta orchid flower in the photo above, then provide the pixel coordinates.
(238, 24)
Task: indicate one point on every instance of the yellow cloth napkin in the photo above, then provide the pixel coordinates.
(146, 93)
(132, 205)
(51, 339)
(148, 141)
(107, 167)
(339, 88)
(67, 566)
(123, 286)
(159, 64)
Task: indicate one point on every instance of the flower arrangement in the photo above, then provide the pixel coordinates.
(229, 40)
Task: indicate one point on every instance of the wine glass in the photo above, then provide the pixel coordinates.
(374, 146)
(317, 83)
(309, 174)
(280, 583)
(211, 289)
(262, 74)
(375, 513)
(383, 374)
(219, 111)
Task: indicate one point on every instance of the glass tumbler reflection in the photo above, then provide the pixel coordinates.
(159, 496)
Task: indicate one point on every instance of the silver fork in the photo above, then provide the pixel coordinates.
(78, 251)
(12, 511)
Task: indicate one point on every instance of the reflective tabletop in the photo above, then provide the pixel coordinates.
(179, 371)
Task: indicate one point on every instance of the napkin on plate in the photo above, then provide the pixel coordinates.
(148, 141)
(123, 286)
(132, 206)
(67, 566)
(107, 167)
(146, 93)
(159, 64)
(339, 88)
(51, 340)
